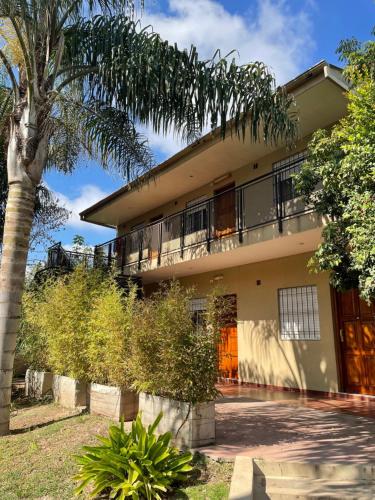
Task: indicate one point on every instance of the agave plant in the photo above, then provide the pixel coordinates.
(136, 464)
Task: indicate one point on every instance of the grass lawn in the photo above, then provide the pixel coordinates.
(36, 459)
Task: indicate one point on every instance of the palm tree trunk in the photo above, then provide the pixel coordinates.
(18, 222)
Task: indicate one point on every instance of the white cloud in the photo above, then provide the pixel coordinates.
(268, 31)
(166, 145)
(87, 196)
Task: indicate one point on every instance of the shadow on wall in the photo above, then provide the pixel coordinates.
(272, 361)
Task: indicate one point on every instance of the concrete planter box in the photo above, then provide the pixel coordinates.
(113, 402)
(37, 384)
(196, 429)
(69, 392)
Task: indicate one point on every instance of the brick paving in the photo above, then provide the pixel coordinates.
(278, 425)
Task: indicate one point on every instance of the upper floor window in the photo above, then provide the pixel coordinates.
(196, 215)
(285, 169)
(299, 313)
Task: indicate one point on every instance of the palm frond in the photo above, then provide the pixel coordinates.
(99, 131)
(133, 69)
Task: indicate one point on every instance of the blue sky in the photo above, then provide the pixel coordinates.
(288, 35)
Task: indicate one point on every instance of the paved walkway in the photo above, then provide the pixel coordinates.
(279, 425)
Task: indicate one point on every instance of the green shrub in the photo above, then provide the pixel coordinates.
(63, 317)
(170, 354)
(135, 464)
(79, 325)
(109, 327)
(31, 340)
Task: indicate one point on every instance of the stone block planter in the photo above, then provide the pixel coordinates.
(190, 429)
(69, 392)
(37, 384)
(113, 402)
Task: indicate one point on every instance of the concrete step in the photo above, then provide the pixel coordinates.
(256, 479)
(333, 471)
(277, 488)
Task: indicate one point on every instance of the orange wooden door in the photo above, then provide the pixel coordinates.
(228, 347)
(225, 211)
(356, 321)
(228, 353)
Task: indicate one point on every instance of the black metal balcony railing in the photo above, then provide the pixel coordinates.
(60, 258)
(270, 198)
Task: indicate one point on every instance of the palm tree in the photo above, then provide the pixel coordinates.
(81, 75)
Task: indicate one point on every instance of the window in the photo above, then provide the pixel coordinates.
(198, 309)
(299, 313)
(286, 168)
(196, 215)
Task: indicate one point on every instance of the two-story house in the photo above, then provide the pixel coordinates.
(226, 212)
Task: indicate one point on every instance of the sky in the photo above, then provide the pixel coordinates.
(288, 35)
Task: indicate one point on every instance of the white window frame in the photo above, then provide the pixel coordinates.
(299, 313)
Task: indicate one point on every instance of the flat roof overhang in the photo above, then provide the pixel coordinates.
(320, 102)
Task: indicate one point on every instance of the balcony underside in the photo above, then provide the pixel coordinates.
(300, 234)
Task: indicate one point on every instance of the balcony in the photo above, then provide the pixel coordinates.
(59, 258)
(208, 227)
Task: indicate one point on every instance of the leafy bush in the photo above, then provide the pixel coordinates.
(83, 326)
(79, 325)
(135, 464)
(171, 355)
(109, 327)
(63, 316)
(31, 340)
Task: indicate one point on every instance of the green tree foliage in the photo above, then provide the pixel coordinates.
(136, 464)
(341, 161)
